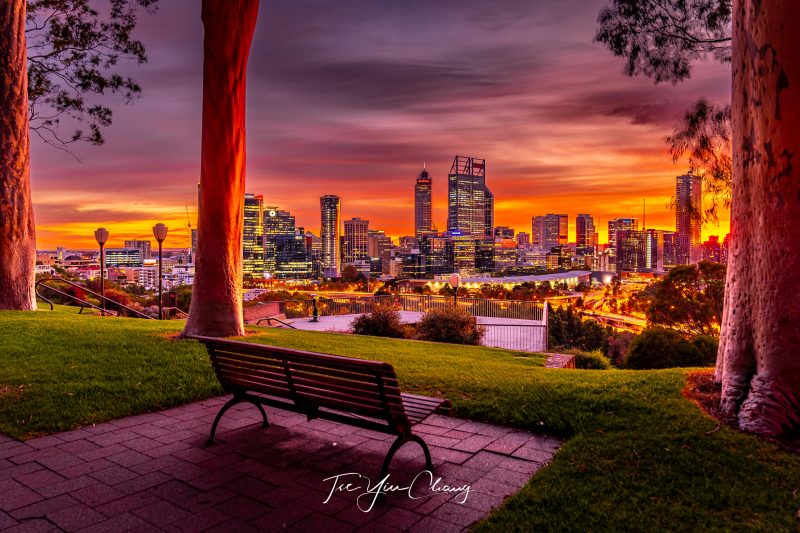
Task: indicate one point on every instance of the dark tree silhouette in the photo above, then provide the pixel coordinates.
(757, 365)
(54, 55)
(661, 39)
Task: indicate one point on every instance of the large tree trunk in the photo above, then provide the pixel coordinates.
(17, 231)
(759, 357)
(216, 308)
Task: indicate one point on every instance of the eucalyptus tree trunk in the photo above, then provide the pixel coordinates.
(216, 308)
(17, 230)
(759, 356)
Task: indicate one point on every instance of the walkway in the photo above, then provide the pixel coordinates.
(153, 472)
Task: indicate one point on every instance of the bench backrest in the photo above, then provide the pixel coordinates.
(311, 380)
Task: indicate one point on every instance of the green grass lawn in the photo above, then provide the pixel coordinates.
(639, 455)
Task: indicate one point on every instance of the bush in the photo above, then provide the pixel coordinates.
(451, 324)
(617, 345)
(708, 346)
(382, 322)
(662, 348)
(568, 329)
(592, 361)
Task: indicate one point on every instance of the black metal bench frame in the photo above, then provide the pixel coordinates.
(351, 391)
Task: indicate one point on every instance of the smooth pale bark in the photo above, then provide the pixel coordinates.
(216, 308)
(17, 230)
(759, 358)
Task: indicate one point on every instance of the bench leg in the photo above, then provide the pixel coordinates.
(396, 446)
(233, 401)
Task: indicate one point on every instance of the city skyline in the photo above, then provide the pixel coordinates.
(358, 107)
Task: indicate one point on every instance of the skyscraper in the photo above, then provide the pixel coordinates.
(253, 236)
(142, 246)
(549, 231)
(616, 225)
(422, 203)
(277, 222)
(585, 234)
(467, 206)
(331, 210)
(356, 241)
(688, 218)
(489, 214)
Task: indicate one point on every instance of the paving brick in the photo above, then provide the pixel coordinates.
(401, 518)
(96, 494)
(128, 458)
(520, 465)
(102, 452)
(44, 442)
(43, 507)
(123, 522)
(174, 491)
(75, 518)
(33, 526)
(508, 443)
(127, 504)
(208, 499)
(166, 449)
(113, 437)
(484, 460)
(65, 487)
(161, 513)
(321, 522)
(6, 521)
(457, 514)
(40, 478)
(69, 436)
(430, 524)
(79, 446)
(16, 498)
(85, 468)
(142, 483)
(114, 475)
(198, 521)
(474, 443)
(532, 454)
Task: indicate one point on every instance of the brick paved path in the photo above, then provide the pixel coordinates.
(153, 473)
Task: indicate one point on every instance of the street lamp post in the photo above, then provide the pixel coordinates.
(101, 235)
(455, 281)
(160, 233)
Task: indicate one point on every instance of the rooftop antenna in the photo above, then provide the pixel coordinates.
(644, 214)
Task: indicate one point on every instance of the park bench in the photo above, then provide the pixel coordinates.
(351, 391)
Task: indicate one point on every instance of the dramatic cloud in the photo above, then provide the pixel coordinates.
(352, 97)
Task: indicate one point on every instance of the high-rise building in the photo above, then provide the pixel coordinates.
(422, 203)
(503, 232)
(292, 258)
(438, 252)
(620, 224)
(489, 213)
(632, 250)
(142, 246)
(523, 239)
(253, 236)
(276, 222)
(549, 231)
(356, 241)
(464, 253)
(468, 210)
(688, 218)
(585, 235)
(331, 210)
(122, 257)
(379, 248)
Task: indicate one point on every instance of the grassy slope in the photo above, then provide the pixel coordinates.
(640, 456)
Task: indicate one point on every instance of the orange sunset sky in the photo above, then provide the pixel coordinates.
(351, 97)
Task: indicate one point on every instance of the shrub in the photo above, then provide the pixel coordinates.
(616, 346)
(662, 348)
(708, 346)
(592, 360)
(451, 324)
(382, 322)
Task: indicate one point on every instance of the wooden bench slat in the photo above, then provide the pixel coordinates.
(347, 406)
